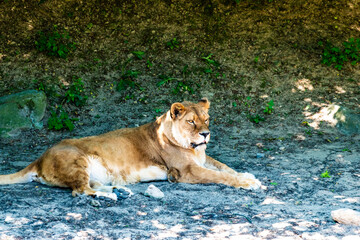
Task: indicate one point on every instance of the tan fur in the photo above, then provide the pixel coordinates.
(172, 147)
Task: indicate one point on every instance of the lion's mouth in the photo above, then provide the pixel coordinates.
(195, 145)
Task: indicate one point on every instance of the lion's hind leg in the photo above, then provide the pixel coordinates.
(87, 190)
(68, 166)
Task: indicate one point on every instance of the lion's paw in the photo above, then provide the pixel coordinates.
(112, 196)
(247, 175)
(248, 181)
(255, 185)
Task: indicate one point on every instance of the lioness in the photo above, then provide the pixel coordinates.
(172, 147)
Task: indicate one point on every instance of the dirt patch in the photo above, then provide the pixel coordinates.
(264, 50)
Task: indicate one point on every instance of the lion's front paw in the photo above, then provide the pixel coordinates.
(256, 184)
(246, 175)
(248, 181)
(106, 195)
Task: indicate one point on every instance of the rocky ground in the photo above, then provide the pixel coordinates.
(295, 202)
(242, 55)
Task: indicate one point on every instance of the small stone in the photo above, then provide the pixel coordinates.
(260, 155)
(154, 192)
(282, 149)
(346, 216)
(95, 203)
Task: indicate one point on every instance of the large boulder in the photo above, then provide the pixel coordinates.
(348, 121)
(21, 110)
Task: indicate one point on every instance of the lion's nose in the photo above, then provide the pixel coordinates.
(204, 134)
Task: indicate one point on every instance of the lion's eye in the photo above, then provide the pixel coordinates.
(191, 122)
(206, 121)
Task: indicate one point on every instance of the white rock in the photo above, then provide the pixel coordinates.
(95, 203)
(154, 192)
(351, 237)
(346, 216)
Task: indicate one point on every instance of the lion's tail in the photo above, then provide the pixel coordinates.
(23, 176)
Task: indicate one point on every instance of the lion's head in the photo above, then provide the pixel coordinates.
(188, 124)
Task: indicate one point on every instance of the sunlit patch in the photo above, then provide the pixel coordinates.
(265, 234)
(224, 231)
(270, 200)
(300, 137)
(139, 213)
(339, 90)
(281, 225)
(63, 81)
(16, 221)
(158, 225)
(26, 55)
(351, 200)
(30, 25)
(86, 234)
(157, 210)
(304, 84)
(326, 114)
(355, 27)
(76, 216)
(196, 217)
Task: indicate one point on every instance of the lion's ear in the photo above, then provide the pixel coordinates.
(204, 102)
(177, 110)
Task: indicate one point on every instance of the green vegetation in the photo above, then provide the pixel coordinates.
(270, 107)
(256, 115)
(325, 174)
(256, 118)
(180, 85)
(337, 56)
(149, 64)
(164, 80)
(59, 120)
(309, 132)
(211, 63)
(172, 44)
(352, 50)
(127, 80)
(128, 86)
(183, 86)
(138, 54)
(49, 89)
(158, 110)
(76, 93)
(55, 42)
